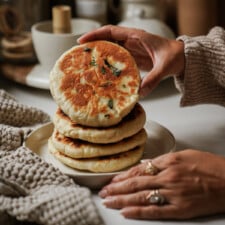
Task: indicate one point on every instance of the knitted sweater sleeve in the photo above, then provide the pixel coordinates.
(203, 80)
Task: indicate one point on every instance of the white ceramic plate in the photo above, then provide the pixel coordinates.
(160, 141)
(38, 77)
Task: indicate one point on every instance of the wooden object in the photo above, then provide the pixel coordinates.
(10, 20)
(61, 16)
(196, 17)
(17, 73)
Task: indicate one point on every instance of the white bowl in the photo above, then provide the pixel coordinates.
(49, 46)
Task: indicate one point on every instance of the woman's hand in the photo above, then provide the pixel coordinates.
(161, 56)
(192, 183)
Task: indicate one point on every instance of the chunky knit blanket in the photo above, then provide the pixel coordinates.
(31, 190)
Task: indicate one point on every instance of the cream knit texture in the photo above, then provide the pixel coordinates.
(31, 190)
(204, 78)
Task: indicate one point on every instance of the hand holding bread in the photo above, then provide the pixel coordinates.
(158, 55)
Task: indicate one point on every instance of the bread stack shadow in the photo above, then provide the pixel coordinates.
(99, 149)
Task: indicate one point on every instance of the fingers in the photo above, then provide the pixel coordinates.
(139, 177)
(140, 198)
(140, 170)
(168, 160)
(121, 201)
(149, 82)
(152, 212)
(113, 33)
(103, 33)
(132, 172)
(108, 32)
(137, 206)
(130, 185)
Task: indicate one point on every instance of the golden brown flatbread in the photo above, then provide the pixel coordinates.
(96, 84)
(100, 164)
(76, 148)
(130, 125)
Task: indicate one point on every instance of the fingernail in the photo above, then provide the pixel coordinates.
(78, 40)
(114, 179)
(103, 193)
(117, 177)
(123, 212)
(144, 160)
(107, 201)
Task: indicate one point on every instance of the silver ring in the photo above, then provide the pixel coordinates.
(154, 197)
(151, 169)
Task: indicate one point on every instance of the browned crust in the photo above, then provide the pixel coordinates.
(100, 76)
(135, 112)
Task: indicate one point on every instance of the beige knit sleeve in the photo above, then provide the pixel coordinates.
(204, 78)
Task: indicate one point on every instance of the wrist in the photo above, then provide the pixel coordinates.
(179, 60)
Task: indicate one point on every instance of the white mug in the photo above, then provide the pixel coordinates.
(50, 46)
(92, 9)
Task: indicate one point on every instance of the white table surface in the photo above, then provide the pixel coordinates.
(199, 127)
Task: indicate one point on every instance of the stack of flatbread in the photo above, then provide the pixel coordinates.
(99, 122)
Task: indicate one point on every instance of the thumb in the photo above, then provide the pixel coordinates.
(149, 82)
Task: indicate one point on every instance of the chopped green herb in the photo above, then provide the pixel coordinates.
(110, 103)
(124, 86)
(93, 62)
(103, 71)
(107, 116)
(86, 49)
(114, 70)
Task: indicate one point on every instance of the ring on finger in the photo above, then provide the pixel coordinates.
(155, 197)
(151, 168)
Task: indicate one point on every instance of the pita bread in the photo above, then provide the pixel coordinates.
(130, 125)
(76, 148)
(100, 164)
(96, 84)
